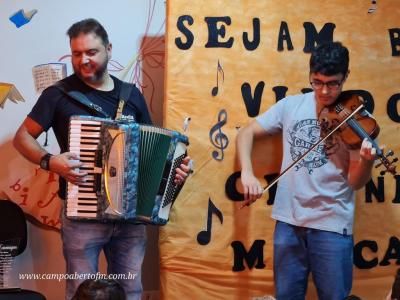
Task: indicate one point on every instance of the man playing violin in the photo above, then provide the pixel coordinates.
(314, 202)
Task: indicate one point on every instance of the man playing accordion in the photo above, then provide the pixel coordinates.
(123, 242)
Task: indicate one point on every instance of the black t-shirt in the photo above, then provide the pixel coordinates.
(54, 109)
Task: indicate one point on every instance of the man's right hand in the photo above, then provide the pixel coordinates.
(65, 165)
(252, 188)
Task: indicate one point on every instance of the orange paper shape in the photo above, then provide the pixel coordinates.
(9, 91)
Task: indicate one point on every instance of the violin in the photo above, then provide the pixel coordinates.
(357, 128)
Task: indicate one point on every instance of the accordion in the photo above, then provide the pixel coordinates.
(131, 170)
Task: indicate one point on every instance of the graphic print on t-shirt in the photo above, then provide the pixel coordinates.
(302, 136)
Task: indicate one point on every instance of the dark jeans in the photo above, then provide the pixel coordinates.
(299, 251)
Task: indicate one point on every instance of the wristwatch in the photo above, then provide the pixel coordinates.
(45, 161)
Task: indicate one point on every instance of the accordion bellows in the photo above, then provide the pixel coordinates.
(131, 170)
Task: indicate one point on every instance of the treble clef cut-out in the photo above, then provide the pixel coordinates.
(215, 89)
(217, 137)
(204, 236)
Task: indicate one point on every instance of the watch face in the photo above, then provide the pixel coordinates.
(44, 162)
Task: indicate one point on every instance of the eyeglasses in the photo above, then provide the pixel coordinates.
(332, 85)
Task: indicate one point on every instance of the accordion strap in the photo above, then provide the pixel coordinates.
(81, 98)
(125, 91)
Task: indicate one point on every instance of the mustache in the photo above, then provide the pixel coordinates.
(87, 64)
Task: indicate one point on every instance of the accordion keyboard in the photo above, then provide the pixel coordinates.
(84, 141)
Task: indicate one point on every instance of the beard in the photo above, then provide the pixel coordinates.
(96, 76)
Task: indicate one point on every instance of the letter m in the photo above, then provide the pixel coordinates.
(315, 38)
(253, 258)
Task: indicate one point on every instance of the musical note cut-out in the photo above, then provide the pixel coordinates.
(373, 7)
(204, 236)
(215, 89)
(217, 137)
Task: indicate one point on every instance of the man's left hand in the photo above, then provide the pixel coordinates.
(183, 171)
(367, 151)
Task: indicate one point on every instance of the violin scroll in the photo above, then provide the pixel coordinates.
(389, 165)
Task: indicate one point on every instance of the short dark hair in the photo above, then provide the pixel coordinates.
(88, 26)
(100, 289)
(329, 59)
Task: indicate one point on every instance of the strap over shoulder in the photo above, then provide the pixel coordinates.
(80, 97)
(126, 89)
